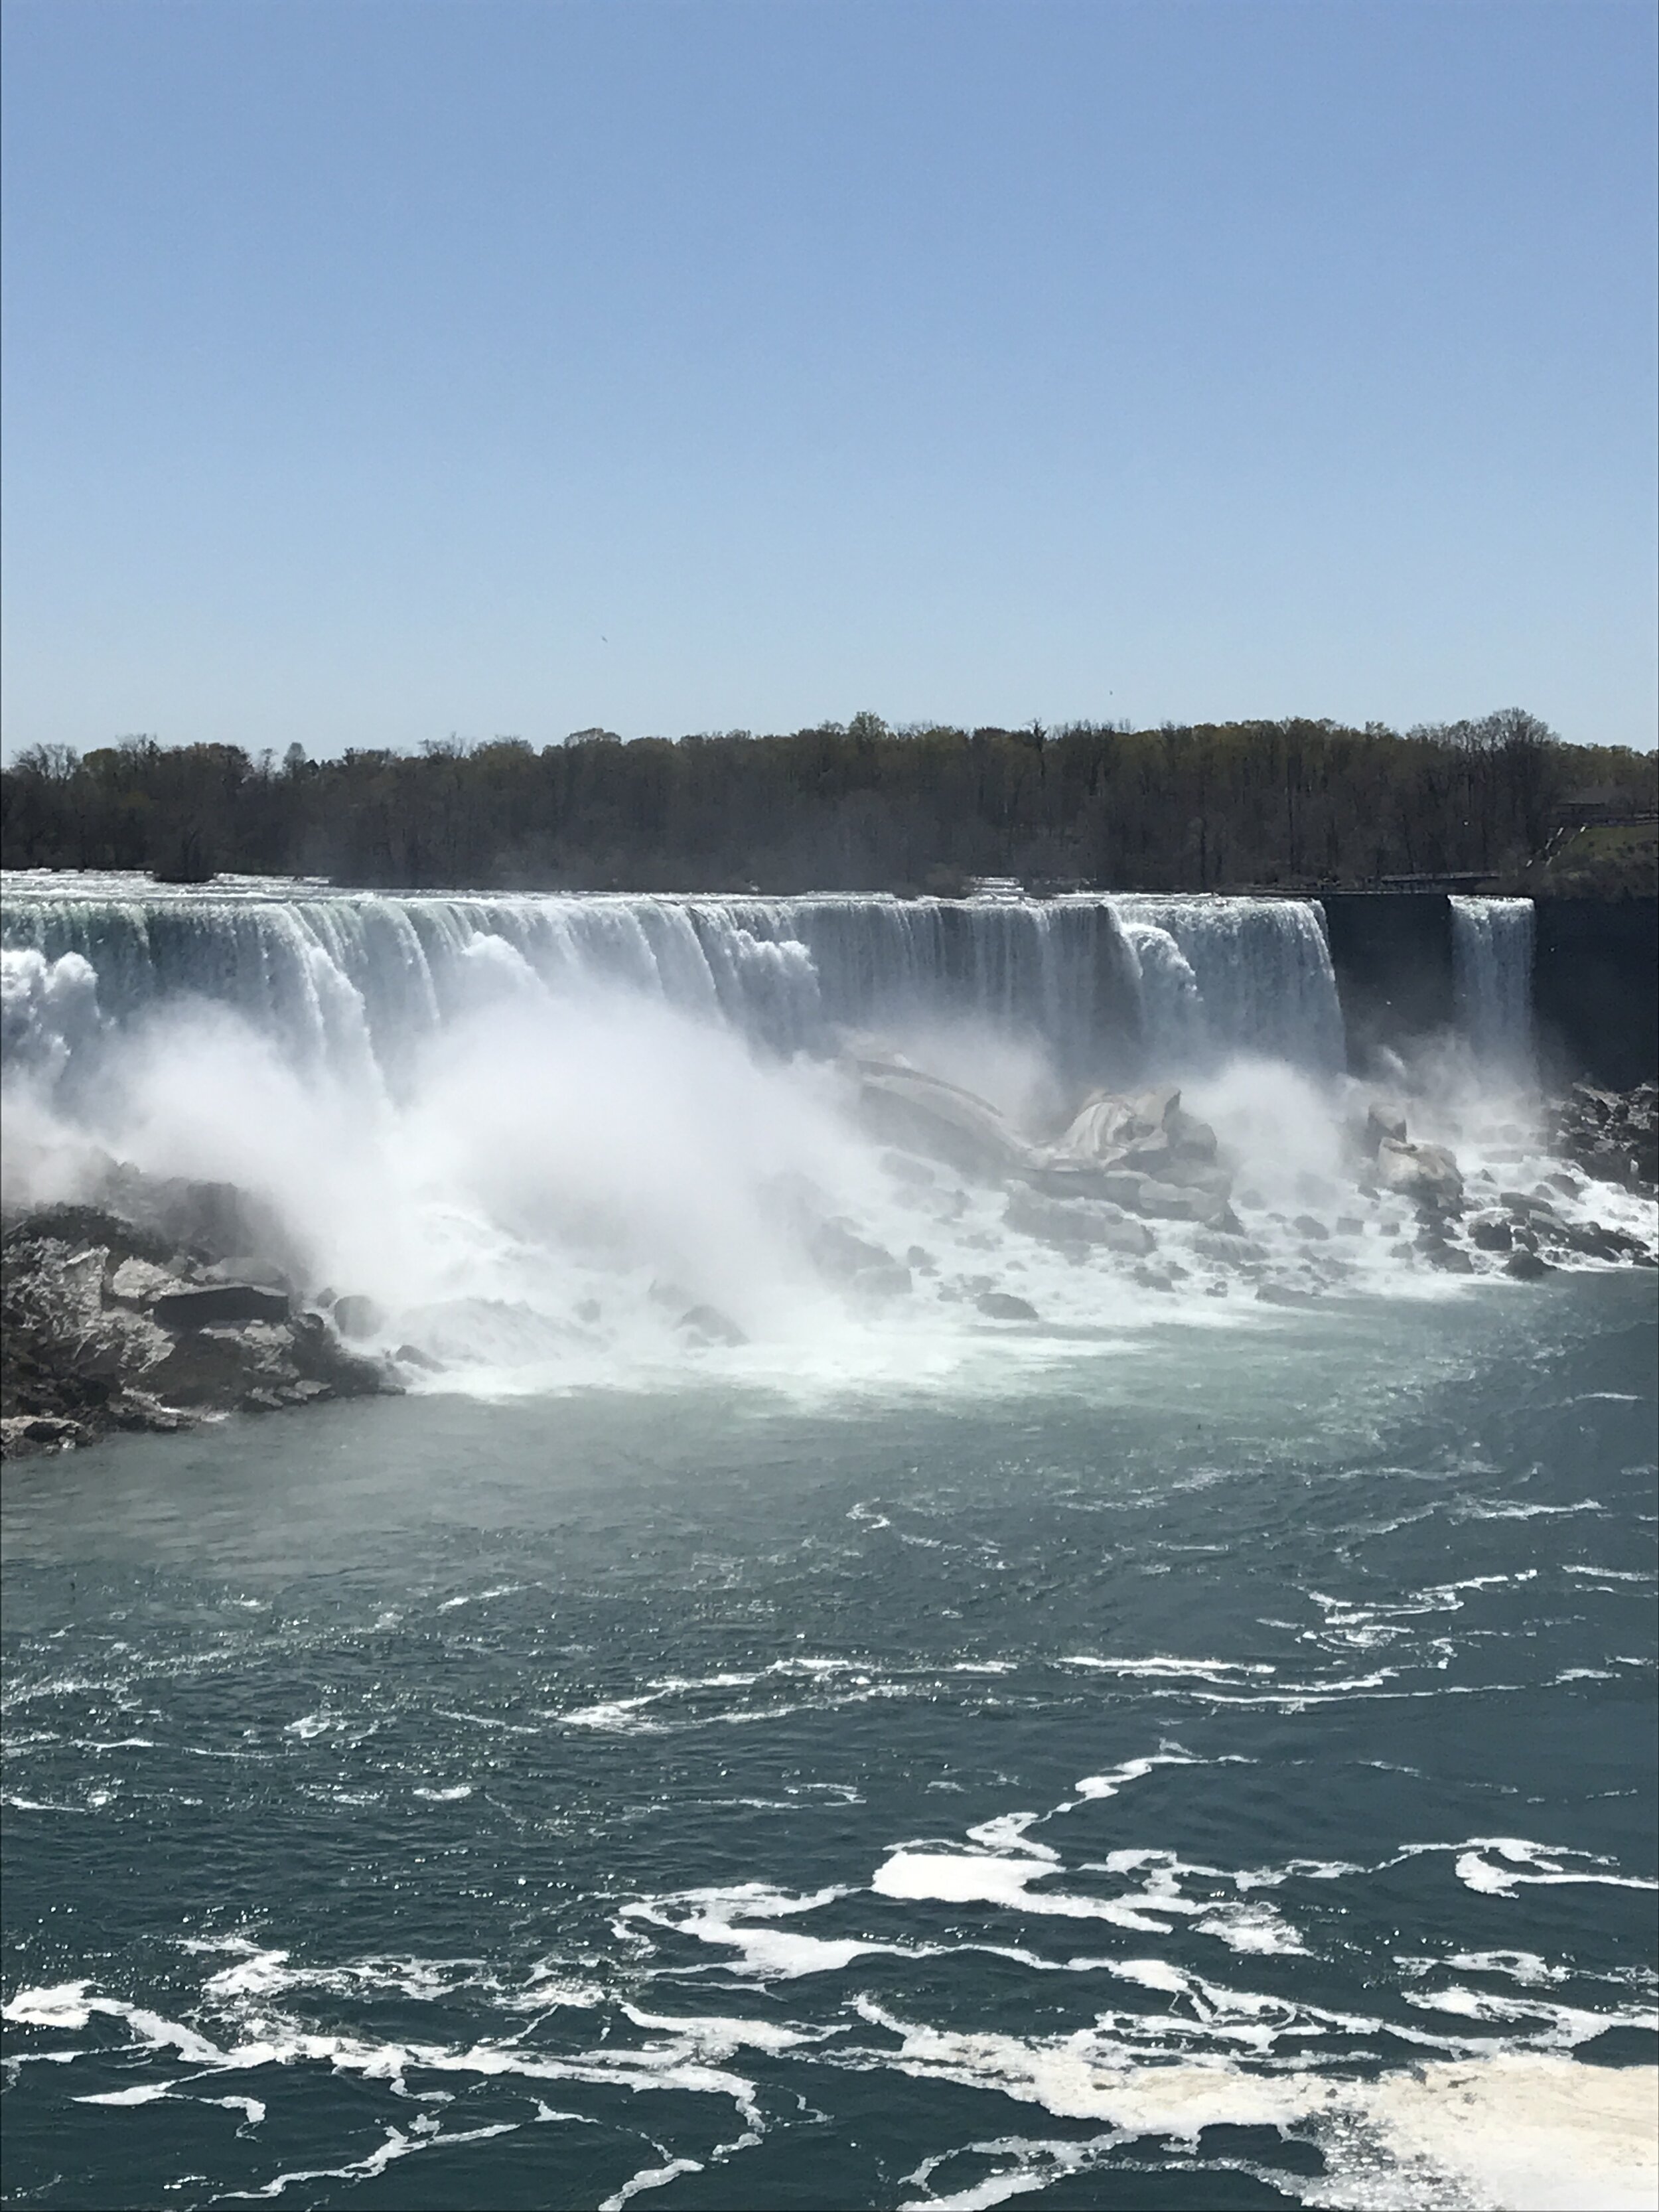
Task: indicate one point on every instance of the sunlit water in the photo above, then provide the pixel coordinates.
(1198, 1769)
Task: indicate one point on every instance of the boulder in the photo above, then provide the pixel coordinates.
(1309, 1226)
(1165, 1202)
(1427, 1173)
(1527, 1267)
(1384, 1124)
(1002, 1305)
(921, 1113)
(217, 1305)
(1490, 1232)
(708, 1325)
(1450, 1258)
(1077, 1221)
(1285, 1294)
(357, 1316)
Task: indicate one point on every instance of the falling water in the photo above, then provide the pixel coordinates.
(1492, 978)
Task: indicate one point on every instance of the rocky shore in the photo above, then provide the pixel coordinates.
(156, 1306)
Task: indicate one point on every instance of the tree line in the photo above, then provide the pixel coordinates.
(1290, 804)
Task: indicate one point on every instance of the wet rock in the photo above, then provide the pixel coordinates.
(23, 1433)
(921, 1259)
(1527, 1267)
(837, 1253)
(708, 1325)
(1492, 1233)
(1307, 1225)
(1173, 1202)
(410, 1355)
(1349, 1224)
(1002, 1305)
(1077, 1221)
(357, 1316)
(1285, 1294)
(217, 1306)
(1450, 1258)
(919, 1113)
(101, 1328)
(1426, 1173)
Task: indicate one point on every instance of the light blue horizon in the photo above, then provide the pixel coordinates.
(376, 373)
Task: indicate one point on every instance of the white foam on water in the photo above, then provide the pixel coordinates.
(649, 2177)
(1522, 2132)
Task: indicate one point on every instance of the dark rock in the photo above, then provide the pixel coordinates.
(1526, 1266)
(1491, 1233)
(1306, 1224)
(1285, 1294)
(708, 1325)
(1450, 1258)
(410, 1355)
(1349, 1224)
(1002, 1305)
(102, 1328)
(358, 1317)
(20, 1434)
(219, 1305)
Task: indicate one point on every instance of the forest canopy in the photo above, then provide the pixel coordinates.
(1290, 804)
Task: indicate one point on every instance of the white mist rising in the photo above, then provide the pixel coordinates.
(535, 1134)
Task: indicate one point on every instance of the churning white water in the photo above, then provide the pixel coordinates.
(535, 1132)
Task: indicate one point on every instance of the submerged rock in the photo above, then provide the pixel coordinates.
(1002, 1305)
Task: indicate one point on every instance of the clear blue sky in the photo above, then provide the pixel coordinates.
(376, 371)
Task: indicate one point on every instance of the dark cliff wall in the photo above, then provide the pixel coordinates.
(1392, 956)
(1595, 980)
(1595, 989)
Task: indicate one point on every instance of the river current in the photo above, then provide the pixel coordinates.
(1178, 1753)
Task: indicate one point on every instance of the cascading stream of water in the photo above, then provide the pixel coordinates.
(1492, 978)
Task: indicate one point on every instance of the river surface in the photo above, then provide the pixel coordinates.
(1194, 1770)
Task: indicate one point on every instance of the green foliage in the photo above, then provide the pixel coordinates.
(1294, 804)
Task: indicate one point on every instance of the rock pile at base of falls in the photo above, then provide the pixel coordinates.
(1613, 1135)
(130, 1314)
(1130, 1175)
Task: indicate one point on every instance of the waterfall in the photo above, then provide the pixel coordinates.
(1492, 978)
(1114, 988)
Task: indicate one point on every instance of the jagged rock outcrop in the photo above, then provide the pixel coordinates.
(1613, 1135)
(110, 1322)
